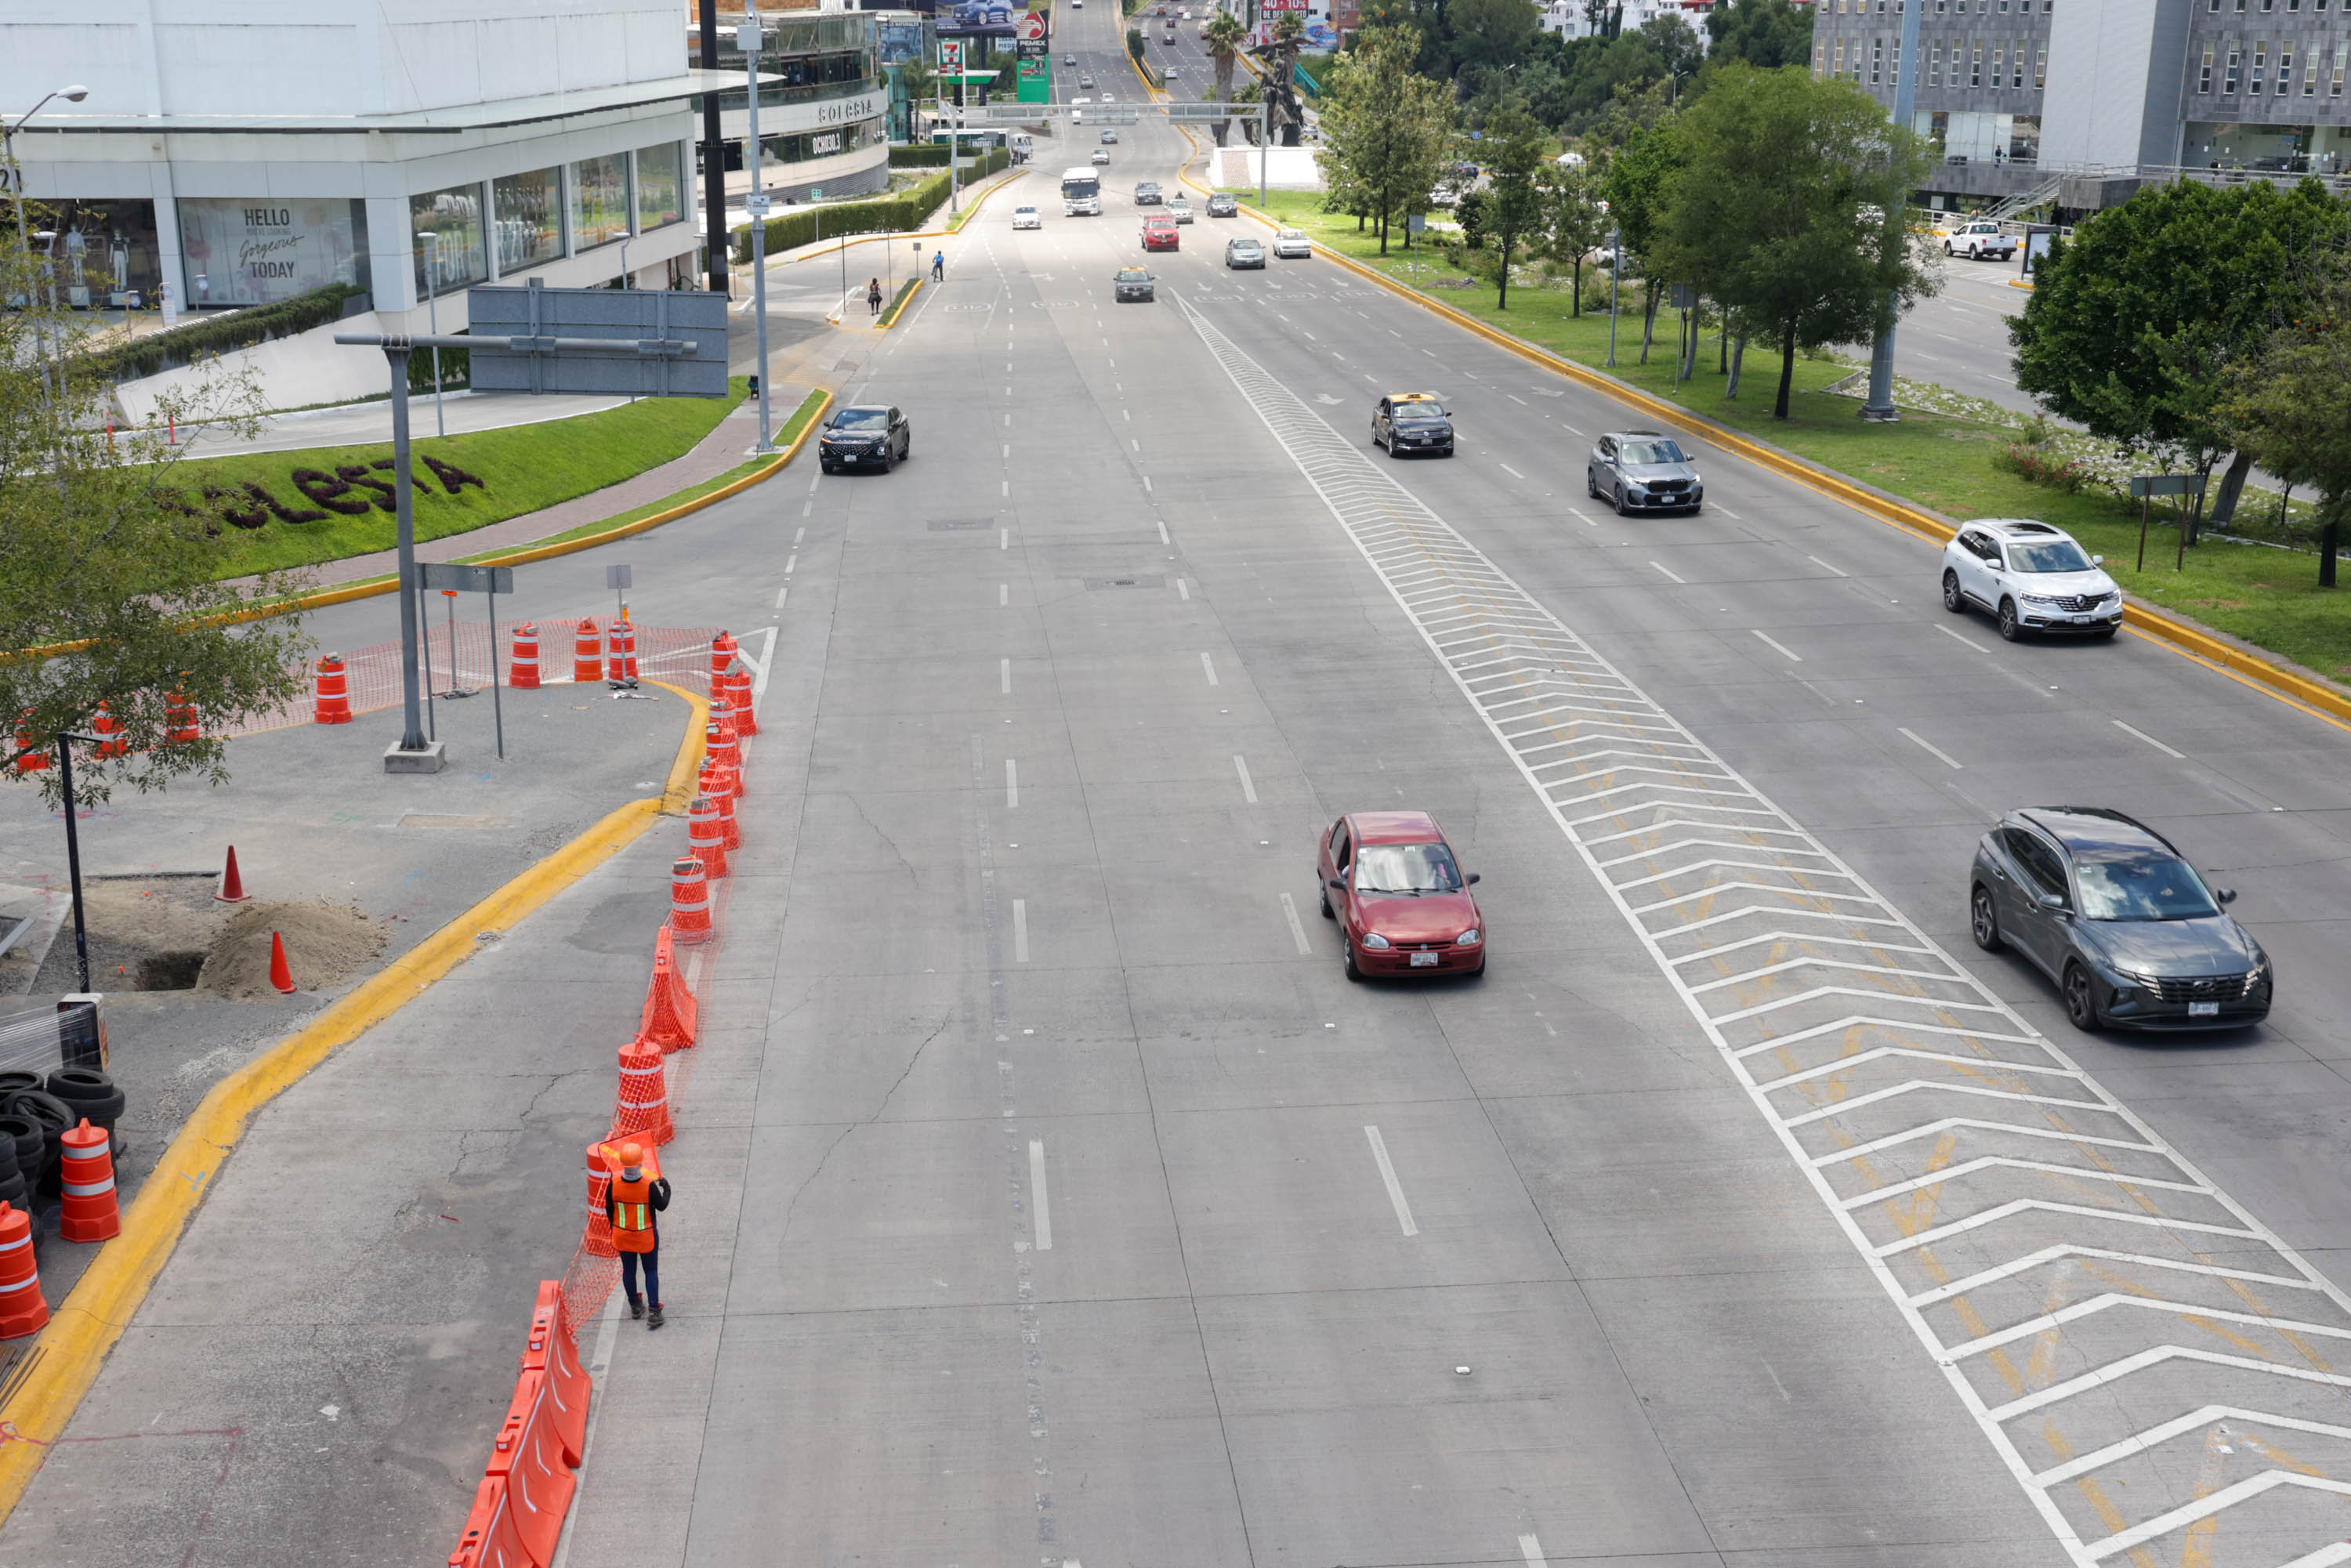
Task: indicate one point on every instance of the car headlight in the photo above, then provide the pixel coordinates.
(1373, 940)
(2036, 599)
(1470, 938)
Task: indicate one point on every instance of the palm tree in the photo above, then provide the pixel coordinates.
(1225, 35)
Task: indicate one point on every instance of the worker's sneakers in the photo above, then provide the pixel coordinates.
(656, 1320)
(636, 1307)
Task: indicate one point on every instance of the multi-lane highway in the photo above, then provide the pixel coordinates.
(1048, 1194)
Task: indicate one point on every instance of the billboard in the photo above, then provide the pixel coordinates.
(899, 41)
(1320, 38)
(980, 18)
(254, 250)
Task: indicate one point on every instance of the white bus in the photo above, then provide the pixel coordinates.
(1080, 194)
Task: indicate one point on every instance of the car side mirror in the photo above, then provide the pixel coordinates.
(1339, 883)
(2097, 561)
(1470, 881)
(2225, 894)
(2053, 902)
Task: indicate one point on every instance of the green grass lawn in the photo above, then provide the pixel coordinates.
(2268, 596)
(520, 470)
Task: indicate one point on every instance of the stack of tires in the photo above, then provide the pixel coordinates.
(36, 1113)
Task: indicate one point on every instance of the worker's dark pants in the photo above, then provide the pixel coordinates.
(652, 1262)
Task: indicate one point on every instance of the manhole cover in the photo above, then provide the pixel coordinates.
(949, 525)
(1097, 584)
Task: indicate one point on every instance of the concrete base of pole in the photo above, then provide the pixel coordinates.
(432, 759)
(1886, 415)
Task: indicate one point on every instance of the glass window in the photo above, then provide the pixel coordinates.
(253, 250)
(2342, 56)
(529, 209)
(2143, 887)
(661, 186)
(457, 254)
(1405, 869)
(2041, 67)
(1975, 65)
(2204, 71)
(2310, 73)
(2228, 69)
(2261, 59)
(600, 200)
(1876, 61)
(2057, 554)
(1935, 67)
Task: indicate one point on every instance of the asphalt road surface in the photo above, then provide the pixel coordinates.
(1072, 1208)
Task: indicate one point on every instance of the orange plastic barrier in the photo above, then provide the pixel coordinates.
(596, 1240)
(729, 833)
(588, 654)
(718, 742)
(180, 724)
(706, 838)
(109, 731)
(689, 902)
(672, 1015)
(490, 1539)
(721, 650)
(642, 1110)
(90, 1206)
(552, 1349)
(523, 674)
(334, 692)
(621, 652)
(23, 1308)
(529, 1458)
(738, 702)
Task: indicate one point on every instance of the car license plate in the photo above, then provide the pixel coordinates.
(2195, 1009)
(2083, 619)
(1424, 960)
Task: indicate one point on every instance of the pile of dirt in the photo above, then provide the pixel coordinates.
(325, 944)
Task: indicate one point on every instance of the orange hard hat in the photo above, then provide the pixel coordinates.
(631, 1154)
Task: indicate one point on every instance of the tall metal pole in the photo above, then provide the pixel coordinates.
(404, 500)
(1880, 406)
(747, 38)
(1264, 141)
(1615, 283)
(74, 94)
(714, 157)
(73, 858)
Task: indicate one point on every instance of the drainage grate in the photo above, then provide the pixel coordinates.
(1097, 584)
(948, 525)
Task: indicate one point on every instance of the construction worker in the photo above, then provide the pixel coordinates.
(630, 1203)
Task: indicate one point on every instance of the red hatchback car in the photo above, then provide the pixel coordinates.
(1160, 234)
(1401, 901)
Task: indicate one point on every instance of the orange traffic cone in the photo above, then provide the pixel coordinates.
(706, 838)
(334, 704)
(689, 901)
(738, 705)
(722, 651)
(524, 675)
(643, 1108)
(671, 1015)
(90, 1210)
(587, 654)
(179, 720)
(232, 886)
(23, 1308)
(280, 974)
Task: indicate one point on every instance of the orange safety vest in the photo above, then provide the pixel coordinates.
(633, 1215)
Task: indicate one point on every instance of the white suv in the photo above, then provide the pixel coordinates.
(2032, 576)
(1978, 240)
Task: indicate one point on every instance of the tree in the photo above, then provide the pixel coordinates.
(1603, 19)
(1514, 207)
(1639, 175)
(2135, 321)
(1227, 33)
(2290, 404)
(1676, 43)
(1780, 211)
(1384, 127)
(1575, 221)
(112, 557)
(1766, 33)
(1491, 34)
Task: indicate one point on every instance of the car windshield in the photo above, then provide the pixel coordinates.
(1414, 413)
(2142, 887)
(2057, 554)
(1652, 452)
(862, 419)
(1134, 275)
(1405, 868)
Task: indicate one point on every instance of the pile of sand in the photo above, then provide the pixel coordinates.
(325, 944)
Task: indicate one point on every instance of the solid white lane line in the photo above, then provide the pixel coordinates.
(1387, 1175)
(1210, 666)
(1004, 669)
(1248, 785)
(1182, 589)
(1004, 538)
(1669, 573)
(1779, 647)
(1531, 1549)
(1510, 471)
(1726, 511)
(1588, 522)
(1930, 747)
(1020, 930)
(1963, 637)
(1011, 784)
(1003, 594)
(1824, 566)
(1041, 1219)
(1297, 926)
(2143, 735)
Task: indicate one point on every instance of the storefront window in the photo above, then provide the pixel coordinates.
(600, 201)
(660, 187)
(456, 254)
(530, 210)
(253, 250)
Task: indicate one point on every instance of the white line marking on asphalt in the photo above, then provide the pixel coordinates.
(1963, 637)
(1004, 668)
(1772, 644)
(1126, 413)
(1007, 450)
(1824, 566)
(1387, 1175)
(1210, 666)
(779, 595)
(1588, 522)
(1182, 589)
(1020, 930)
(1146, 481)
(1004, 487)
(798, 537)
(759, 668)
(1510, 471)
(1011, 784)
(1008, 418)
(1726, 511)
(1003, 594)
(1516, 399)
(1531, 1549)
(1929, 746)
(1297, 929)
(1668, 573)
(2143, 735)
(790, 561)
(1004, 535)
(1163, 532)
(1248, 785)
(1042, 1225)
(1571, 430)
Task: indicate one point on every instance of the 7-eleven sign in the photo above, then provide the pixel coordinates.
(950, 56)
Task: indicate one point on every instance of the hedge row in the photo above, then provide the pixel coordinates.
(932, 155)
(184, 345)
(886, 214)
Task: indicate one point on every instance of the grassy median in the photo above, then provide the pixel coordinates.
(2267, 595)
(281, 509)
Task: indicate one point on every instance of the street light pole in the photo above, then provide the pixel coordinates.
(1615, 284)
(755, 205)
(73, 94)
(1880, 407)
(433, 322)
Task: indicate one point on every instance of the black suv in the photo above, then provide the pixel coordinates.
(1642, 471)
(1412, 421)
(865, 435)
(2108, 908)
(1146, 194)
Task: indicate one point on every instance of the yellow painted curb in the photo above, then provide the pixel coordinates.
(1147, 88)
(898, 307)
(2020, 283)
(2181, 638)
(73, 1348)
(677, 791)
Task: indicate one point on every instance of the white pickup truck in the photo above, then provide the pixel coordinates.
(1979, 239)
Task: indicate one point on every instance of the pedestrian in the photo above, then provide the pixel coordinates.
(630, 1203)
(939, 267)
(873, 297)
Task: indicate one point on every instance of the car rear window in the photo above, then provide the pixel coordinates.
(2142, 887)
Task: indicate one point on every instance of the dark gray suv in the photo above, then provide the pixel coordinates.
(2107, 907)
(1642, 471)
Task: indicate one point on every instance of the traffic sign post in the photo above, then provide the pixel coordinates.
(2145, 487)
(453, 578)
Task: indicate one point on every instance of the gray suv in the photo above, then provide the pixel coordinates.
(2108, 908)
(1642, 471)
